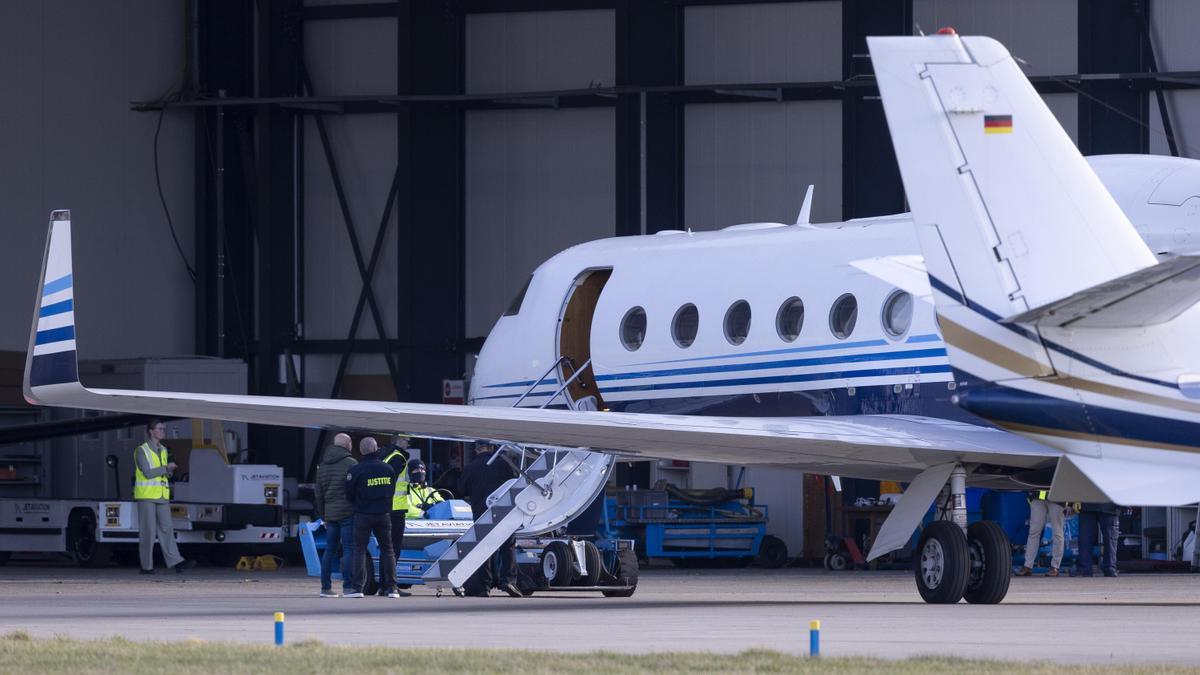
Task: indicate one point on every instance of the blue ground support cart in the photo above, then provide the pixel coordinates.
(545, 563)
(696, 527)
(424, 540)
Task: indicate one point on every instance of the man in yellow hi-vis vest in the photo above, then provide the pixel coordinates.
(420, 495)
(152, 492)
(1041, 511)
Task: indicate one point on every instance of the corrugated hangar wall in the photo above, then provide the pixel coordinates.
(69, 71)
(348, 58)
(1174, 23)
(537, 181)
(751, 162)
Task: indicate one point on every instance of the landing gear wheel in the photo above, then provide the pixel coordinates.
(594, 563)
(941, 563)
(81, 540)
(625, 570)
(838, 562)
(557, 562)
(990, 563)
(772, 553)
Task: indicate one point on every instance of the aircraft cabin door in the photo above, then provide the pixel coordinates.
(574, 339)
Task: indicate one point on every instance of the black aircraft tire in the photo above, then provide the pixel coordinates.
(82, 543)
(594, 563)
(941, 563)
(772, 553)
(558, 564)
(626, 573)
(990, 563)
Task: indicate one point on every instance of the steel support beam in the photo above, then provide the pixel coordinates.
(431, 281)
(871, 183)
(277, 49)
(223, 183)
(649, 125)
(1113, 117)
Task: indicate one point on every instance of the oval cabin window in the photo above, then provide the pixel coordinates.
(685, 325)
(737, 322)
(897, 313)
(790, 319)
(633, 329)
(843, 315)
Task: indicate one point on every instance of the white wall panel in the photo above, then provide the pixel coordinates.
(1173, 23)
(351, 57)
(1066, 109)
(540, 51)
(776, 42)
(537, 181)
(751, 162)
(1045, 33)
(1184, 109)
(68, 70)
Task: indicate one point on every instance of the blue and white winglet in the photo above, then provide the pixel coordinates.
(52, 344)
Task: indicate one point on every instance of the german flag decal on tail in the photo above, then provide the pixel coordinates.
(997, 124)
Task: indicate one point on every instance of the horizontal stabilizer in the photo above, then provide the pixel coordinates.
(1146, 297)
(1125, 482)
(906, 272)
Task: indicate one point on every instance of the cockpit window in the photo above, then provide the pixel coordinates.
(515, 307)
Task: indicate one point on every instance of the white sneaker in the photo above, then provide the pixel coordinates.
(328, 594)
(393, 594)
(352, 595)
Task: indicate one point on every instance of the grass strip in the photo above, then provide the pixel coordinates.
(21, 653)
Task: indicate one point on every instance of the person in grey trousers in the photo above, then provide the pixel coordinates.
(152, 492)
(338, 515)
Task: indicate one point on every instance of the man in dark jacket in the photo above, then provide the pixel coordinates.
(1103, 517)
(334, 508)
(370, 486)
(478, 481)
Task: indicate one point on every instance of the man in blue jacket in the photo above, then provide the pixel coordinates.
(370, 486)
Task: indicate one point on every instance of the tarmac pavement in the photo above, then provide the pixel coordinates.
(1130, 619)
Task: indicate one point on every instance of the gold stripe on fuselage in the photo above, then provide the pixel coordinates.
(995, 353)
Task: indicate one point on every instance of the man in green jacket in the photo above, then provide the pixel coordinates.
(335, 509)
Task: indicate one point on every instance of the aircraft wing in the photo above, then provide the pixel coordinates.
(872, 446)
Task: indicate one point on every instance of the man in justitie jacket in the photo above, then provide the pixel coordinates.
(370, 487)
(334, 508)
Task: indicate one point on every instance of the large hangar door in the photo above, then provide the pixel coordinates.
(575, 338)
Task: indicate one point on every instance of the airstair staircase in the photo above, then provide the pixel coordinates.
(553, 486)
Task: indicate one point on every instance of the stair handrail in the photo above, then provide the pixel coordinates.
(543, 377)
(572, 378)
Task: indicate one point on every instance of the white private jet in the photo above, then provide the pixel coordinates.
(1015, 330)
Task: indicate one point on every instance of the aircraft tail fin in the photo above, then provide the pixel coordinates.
(1011, 217)
(51, 360)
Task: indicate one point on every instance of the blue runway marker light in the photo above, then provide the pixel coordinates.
(279, 629)
(814, 638)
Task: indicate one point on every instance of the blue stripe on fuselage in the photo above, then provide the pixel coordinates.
(773, 365)
(779, 379)
(836, 379)
(999, 403)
